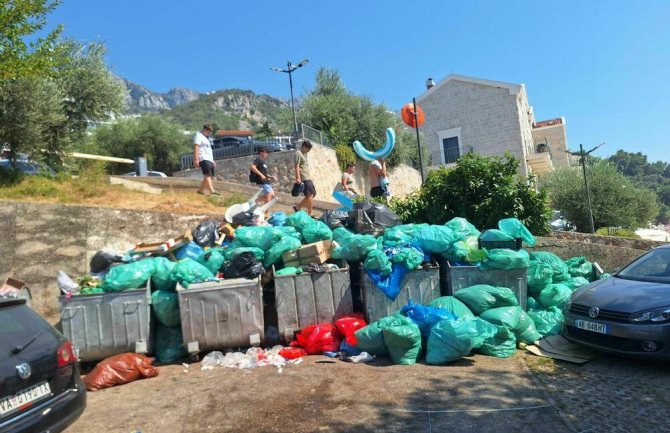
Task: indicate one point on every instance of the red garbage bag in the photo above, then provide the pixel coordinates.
(347, 325)
(316, 339)
(292, 352)
(120, 369)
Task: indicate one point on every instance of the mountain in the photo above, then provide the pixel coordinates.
(226, 109)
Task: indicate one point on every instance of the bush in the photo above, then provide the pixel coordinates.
(481, 189)
(345, 154)
(617, 231)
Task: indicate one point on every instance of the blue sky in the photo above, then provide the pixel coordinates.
(604, 65)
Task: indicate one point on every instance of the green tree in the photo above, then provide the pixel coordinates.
(151, 136)
(616, 200)
(19, 21)
(264, 131)
(480, 189)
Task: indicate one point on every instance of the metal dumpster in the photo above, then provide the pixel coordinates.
(221, 314)
(460, 277)
(311, 298)
(420, 285)
(106, 324)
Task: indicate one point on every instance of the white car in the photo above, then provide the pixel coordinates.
(149, 173)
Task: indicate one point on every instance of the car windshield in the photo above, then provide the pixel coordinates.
(653, 267)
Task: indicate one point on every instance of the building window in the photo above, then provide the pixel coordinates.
(450, 150)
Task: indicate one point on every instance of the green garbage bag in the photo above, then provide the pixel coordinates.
(467, 249)
(378, 261)
(532, 304)
(539, 275)
(161, 280)
(482, 297)
(318, 231)
(402, 234)
(341, 235)
(274, 254)
(554, 295)
(169, 344)
(516, 229)
(289, 270)
(604, 275)
(91, 291)
(450, 340)
(128, 276)
(454, 306)
(289, 231)
(576, 282)
(502, 258)
(262, 237)
(551, 260)
(462, 227)
(501, 345)
(402, 338)
(514, 319)
(410, 257)
(212, 260)
(355, 248)
(580, 267)
(435, 239)
(230, 253)
(371, 339)
(549, 321)
(495, 235)
(165, 306)
(300, 220)
(189, 271)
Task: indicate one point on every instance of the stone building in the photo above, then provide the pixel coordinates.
(466, 114)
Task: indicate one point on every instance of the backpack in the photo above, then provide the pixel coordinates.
(253, 177)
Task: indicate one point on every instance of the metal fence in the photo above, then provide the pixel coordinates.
(186, 160)
(315, 135)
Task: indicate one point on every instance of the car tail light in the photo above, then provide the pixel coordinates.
(66, 354)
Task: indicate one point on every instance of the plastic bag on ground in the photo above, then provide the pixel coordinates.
(450, 340)
(425, 317)
(355, 247)
(165, 305)
(514, 319)
(371, 339)
(316, 339)
(292, 352)
(318, 231)
(207, 233)
(435, 239)
(502, 258)
(538, 275)
(453, 305)
(462, 227)
(262, 237)
(482, 297)
(403, 340)
(212, 260)
(244, 265)
(277, 218)
(580, 267)
(558, 267)
(128, 276)
(576, 282)
(549, 321)
(378, 261)
(161, 280)
(189, 271)
(211, 360)
(516, 229)
(120, 369)
(348, 325)
(169, 344)
(300, 220)
(554, 295)
(501, 345)
(273, 255)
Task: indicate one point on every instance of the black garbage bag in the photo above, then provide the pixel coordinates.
(206, 233)
(244, 265)
(335, 218)
(373, 218)
(103, 260)
(243, 219)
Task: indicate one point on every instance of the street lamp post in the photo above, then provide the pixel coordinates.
(290, 67)
(583, 155)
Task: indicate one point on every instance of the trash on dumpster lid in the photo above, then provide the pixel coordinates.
(317, 252)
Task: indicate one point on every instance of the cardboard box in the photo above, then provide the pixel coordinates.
(318, 252)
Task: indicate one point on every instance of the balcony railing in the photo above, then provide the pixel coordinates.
(452, 155)
(537, 146)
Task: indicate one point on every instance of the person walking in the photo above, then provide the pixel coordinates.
(259, 175)
(377, 178)
(346, 184)
(204, 157)
(302, 177)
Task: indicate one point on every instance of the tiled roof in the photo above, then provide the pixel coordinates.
(551, 122)
(234, 133)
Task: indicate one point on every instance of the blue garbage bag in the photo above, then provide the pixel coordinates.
(425, 317)
(390, 284)
(277, 218)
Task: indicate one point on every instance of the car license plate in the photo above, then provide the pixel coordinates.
(591, 326)
(25, 397)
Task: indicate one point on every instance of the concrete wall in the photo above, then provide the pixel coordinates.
(488, 117)
(558, 143)
(324, 170)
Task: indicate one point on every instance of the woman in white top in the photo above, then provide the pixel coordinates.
(346, 184)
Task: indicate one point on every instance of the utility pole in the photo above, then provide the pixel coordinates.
(290, 67)
(582, 160)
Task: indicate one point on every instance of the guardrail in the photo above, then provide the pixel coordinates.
(186, 159)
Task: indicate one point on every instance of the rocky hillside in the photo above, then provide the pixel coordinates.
(227, 109)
